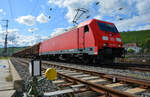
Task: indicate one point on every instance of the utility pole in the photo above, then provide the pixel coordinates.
(6, 35)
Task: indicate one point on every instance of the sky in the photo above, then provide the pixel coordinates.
(32, 21)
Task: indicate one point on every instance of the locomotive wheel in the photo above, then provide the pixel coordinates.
(108, 61)
(87, 59)
(99, 60)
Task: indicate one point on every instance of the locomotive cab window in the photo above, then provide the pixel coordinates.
(107, 27)
(86, 28)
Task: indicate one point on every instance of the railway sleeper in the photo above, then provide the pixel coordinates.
(106, 89)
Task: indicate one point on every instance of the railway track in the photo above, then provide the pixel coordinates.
(105, 84)
(121, 66)
(127, 66)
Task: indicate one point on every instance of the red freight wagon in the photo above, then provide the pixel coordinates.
(28, 52)
(94, 38)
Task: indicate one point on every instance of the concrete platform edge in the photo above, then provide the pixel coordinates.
(17, 80)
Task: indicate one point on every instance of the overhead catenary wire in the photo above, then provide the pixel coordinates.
(79, 15)
(35, 7)
(10, 8)
(33, 11)
(11, 19)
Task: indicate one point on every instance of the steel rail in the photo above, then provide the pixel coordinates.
(108, 76)
(142, 69)
(100, 88)
(108, 92)
(124, 66)
(126, 79)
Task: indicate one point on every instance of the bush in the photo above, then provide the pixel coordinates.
(9, 78)
(147, 43)
(130, 50)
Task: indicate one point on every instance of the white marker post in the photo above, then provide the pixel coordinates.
(35, 67)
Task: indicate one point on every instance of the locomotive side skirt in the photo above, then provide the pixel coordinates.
(89, 50)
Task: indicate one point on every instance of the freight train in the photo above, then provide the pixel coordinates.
(93, 41)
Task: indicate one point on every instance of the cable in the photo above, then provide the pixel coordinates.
(10, 7)
(34, 8)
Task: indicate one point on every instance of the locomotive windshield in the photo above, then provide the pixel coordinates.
(107, 27)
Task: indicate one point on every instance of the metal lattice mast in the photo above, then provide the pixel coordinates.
(6, 35)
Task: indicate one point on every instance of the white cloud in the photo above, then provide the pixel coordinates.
(43, 7)
(146, 27)
(133, 23)
(143, 6)
(98, 17)
(23, 40)
(105, 8)
(32, 29)
(11, 35)
(17, 39)
(13, 30)
(2, 12)
(28, 20)
(0, 28)
(42, 18)
(135, 13)
(71, 5)
(57, 32)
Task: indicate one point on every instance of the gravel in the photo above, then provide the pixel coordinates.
(130, 73)
(133, 74)
(46, 85)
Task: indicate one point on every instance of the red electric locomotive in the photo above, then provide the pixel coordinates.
(91, 41)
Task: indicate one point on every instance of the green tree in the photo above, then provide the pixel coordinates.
(140, 43)
(130, 50)
(147, 43)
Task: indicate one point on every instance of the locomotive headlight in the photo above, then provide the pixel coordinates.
(118, 39)
(105, 38)
(105, 44)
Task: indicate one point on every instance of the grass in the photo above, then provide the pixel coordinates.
(9, 78)
(135, 36)
(4, 58)
(11, 50)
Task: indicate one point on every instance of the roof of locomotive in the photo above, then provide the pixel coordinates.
(91, 20)
(80, 25)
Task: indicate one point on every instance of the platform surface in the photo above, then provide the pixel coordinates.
(6, 88)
